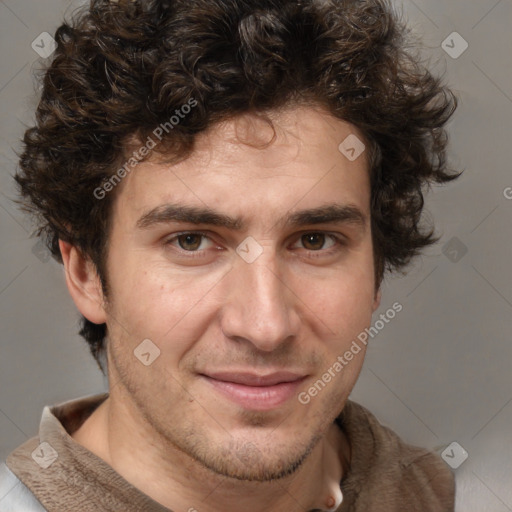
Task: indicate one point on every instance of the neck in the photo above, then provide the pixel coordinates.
(178, 482)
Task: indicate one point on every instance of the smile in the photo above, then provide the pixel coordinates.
(256, 392)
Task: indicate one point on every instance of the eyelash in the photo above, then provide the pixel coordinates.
(338, 240)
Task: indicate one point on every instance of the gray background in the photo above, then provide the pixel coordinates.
(439, 372)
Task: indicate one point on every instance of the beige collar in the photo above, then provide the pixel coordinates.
(335, 467)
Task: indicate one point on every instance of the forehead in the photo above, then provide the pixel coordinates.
(246, 168)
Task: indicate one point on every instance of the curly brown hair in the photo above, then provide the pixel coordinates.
(122, 68)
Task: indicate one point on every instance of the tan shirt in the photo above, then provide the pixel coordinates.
(386, 475)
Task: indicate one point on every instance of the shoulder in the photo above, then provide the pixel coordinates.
(14, 495)
(425, 479)
(386, 470)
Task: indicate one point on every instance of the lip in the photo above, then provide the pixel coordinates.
(253, 391)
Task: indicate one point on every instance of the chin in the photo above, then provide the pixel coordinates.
(242, 460)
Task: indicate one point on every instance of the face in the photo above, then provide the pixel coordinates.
(251, 271)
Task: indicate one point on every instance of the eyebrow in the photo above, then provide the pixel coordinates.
(332, 213)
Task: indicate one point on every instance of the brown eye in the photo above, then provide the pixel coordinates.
(313, 241)
(317, 244)
(190, 241)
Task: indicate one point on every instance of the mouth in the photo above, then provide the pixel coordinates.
(253, 391)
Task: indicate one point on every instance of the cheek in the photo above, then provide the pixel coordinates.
(343, 301)
(343, 317)
(168, 307)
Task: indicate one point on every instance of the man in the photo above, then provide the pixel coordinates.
(226, 183)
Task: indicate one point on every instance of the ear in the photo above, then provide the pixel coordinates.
(376, 300)
(83, 283)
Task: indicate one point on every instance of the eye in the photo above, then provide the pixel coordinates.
(315, 242)
(189, 241)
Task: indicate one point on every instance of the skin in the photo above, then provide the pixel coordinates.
(297, 307)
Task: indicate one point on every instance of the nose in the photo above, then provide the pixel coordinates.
(260, 307)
